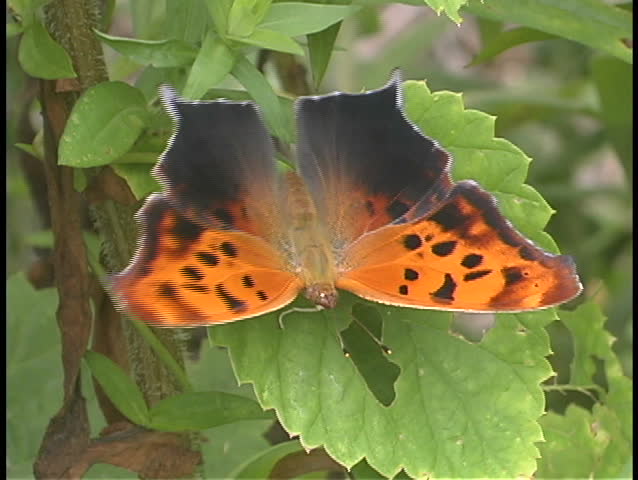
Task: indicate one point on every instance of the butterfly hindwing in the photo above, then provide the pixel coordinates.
(463, 256)
(186, 275)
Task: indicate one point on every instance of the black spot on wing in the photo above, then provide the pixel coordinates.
(410, 275)
(468, 277)
(412, 241)
(261, 295)
(472, 260)
(248, 281)
(397, 209)
(196, 287)
(512, 275)
(167, 290)
(208, 259)
(443, 249)
(192, 273)
(403, 289)
(229, 249)
(446, 290)
(450, 217)
(185, 231)
(232, 303)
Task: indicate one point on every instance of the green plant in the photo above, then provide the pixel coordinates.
(440, 405)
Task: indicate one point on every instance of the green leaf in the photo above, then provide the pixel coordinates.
(214, 61)
(261, 91)
(158, 53)
(296, 18)
(119, 387)
(138, 177)
(508, 39)
(571, 449)
(219, 11)
(320, 47)
(602, 440)
(41, 56)
(27, 148)
(200, 410)
(14, 29)
(591, 22)
(433, 421)
(270, 40)
(261, 465)
(243, 18)
(188, 19)
(104, 124)
(450, 7)
(33, 365)
(27, 8)
(614, 82)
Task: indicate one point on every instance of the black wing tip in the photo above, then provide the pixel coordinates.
(391, 87)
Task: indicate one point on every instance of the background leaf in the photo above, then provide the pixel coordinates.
(41, 56)
(201, 410)
(159, 53)
(119, 387)
(31, 321)
(296, 18)
(214, 61)
(104, 124)
(597, 24)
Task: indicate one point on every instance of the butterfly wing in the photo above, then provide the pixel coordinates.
(209, 249)
(463, 256)
(187, 275)
(365, 164)
(218, 168)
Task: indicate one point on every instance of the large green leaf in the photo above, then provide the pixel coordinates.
(460, 409)
(41, 56)
(158, 53)
(104, 124)
(591, 22)
(296, 18)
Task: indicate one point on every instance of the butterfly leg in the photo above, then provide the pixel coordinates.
(280, 318)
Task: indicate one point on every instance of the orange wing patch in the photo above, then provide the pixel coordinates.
(463, 256)
(186, 275)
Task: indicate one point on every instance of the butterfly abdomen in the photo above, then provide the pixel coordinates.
(311, 252)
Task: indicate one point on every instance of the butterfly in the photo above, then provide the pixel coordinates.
(370, 208)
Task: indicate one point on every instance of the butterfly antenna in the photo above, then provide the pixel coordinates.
(280, 318)
(387, 350)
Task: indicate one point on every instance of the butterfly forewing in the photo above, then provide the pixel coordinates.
(365, 164)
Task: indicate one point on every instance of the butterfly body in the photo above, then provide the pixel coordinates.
(371, 208)
(312, 258)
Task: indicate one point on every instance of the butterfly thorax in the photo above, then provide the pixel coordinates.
(310, 249)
